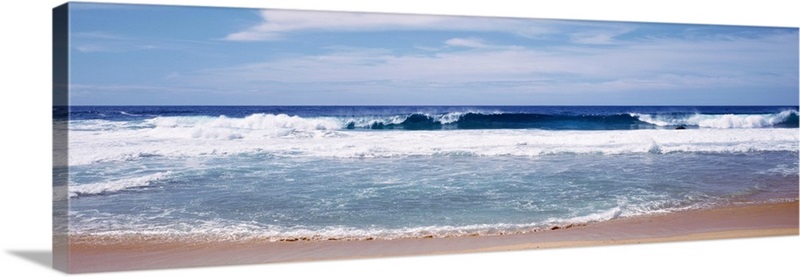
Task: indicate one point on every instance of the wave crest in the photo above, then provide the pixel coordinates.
(257, 125)
(477, 120)
(116, 185)
(724, 121)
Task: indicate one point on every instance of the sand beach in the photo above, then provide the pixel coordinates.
(732, 222)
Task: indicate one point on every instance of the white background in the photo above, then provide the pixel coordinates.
(26, 150)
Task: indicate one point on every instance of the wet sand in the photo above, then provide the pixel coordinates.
(779, 219)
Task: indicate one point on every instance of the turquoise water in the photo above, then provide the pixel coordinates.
(310, 177)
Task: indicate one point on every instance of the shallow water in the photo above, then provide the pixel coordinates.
(284, 177)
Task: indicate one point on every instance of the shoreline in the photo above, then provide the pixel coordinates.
(744, 221)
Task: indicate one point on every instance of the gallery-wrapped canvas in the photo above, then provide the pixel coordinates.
(195, 136)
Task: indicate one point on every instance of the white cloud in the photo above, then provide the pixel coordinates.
(114, 47)
(99, 35)
(478, 43)
(89, 48)
(90, 42)
(648, 65)
(112, 88)
(276, 23)
(466, 42)
(593, 38)
(598, 32)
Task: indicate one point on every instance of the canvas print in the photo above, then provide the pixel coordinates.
(196, 136)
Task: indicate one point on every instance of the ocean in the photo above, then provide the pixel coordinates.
(285, 173)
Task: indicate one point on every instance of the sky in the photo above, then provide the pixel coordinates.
(170, 55)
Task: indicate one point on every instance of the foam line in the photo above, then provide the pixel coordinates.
(76, 190)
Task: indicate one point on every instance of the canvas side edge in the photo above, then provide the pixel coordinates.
(60, 116)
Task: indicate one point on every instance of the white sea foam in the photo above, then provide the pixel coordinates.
(258, 125)
(129, 114)
(76, 190)
(313, 140)
(229, 230)
(599, 216)
(722, 121)
(365, 122)
(232, 230)
(643, 206)
(450, 117)
(782, 169)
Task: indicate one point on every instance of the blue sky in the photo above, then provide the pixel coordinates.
(163, 55)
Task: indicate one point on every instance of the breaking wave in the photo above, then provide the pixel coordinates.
(76, 190)
(785, 119)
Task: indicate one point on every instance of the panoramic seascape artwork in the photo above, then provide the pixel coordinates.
(276, 135)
